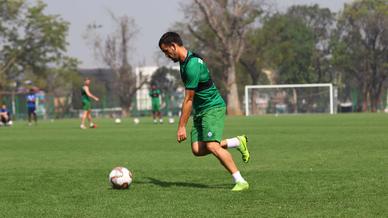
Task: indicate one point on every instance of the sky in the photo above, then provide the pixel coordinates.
(153, 18)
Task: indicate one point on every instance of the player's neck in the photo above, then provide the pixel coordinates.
(183, 54)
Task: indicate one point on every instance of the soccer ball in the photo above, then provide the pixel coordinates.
(120, 178)
(136, 120)
(117, 120)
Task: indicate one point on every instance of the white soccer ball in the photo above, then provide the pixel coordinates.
(171, 120)
(136, 120)
(117, 120)
(120, 178)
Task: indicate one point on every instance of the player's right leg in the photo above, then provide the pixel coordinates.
(29, 116)
(84, 115)
(199, 149)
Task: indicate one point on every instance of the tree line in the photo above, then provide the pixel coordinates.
(244, 42)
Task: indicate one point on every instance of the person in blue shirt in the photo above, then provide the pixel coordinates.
(5, 116)
(31, 107)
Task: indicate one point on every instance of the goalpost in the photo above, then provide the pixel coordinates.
(289, 99)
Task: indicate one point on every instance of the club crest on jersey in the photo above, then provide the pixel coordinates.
(200, 61)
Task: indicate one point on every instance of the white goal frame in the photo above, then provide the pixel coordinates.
(331, 88)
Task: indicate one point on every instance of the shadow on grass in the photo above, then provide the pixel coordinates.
(167, 184)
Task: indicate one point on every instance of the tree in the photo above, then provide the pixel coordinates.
(60, 82)
(166, 79)
(31, 40)
(287, 49)
(361, 48)
(32, 47)
(228, 23)
(321, 23)
(114, 52)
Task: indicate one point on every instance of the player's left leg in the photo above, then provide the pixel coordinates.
(35, 116)
(91, 124)
(239, 142)
(3, 119)
(29, 116)
(227, 161)
(159, 114)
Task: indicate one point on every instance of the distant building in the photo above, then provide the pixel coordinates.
(143, 101)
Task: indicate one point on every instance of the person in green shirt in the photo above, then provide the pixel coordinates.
(202, 96)
(86, 104)
(155, 100)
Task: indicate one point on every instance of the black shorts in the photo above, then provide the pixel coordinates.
(31, 110)
(3, 120)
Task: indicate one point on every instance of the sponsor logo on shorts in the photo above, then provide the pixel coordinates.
(209, 134)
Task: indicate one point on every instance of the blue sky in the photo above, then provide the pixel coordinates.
(153, 18)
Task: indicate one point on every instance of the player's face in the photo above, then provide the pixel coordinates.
(87, 82)
(170, 51)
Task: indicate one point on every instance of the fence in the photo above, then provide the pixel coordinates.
(51, 107)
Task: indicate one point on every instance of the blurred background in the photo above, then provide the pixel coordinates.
(51, 46)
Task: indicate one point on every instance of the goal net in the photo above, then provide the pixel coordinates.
(289, 99)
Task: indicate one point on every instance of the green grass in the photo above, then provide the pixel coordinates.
(301, 166)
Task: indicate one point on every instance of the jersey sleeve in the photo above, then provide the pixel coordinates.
(192, 73)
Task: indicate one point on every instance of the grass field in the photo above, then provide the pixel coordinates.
(301, 166)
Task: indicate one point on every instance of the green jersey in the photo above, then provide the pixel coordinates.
(85, 97)
(195, 76)
(154, 94)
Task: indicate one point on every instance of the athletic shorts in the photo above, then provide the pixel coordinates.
(155, 106)
(208, 126)
(86, 105)
(31, 110)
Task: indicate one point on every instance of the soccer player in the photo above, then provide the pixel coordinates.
(209, 110)
(31, 107)
(5, 116)
(154, 94)
(86, 104)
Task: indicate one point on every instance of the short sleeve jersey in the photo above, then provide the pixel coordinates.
(154, 94)
(31, 100)
(196, 76)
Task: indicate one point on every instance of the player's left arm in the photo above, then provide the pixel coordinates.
(186, 112)
(86, 88)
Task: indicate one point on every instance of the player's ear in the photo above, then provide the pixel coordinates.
(174, 46)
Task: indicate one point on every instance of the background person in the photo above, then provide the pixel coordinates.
(5, 116)
(154, 94)
(31, 107)
(86, 104)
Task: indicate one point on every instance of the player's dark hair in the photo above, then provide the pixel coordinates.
(169, 38)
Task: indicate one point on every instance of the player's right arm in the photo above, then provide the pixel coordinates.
(186, 111)
(86, 88)
(191, 84)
